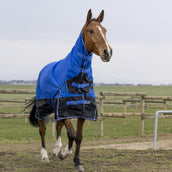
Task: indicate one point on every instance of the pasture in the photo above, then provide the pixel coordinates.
(20, 142)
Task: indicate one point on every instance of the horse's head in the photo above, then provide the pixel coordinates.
(94, 36)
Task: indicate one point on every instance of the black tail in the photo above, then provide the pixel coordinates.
(33, 120)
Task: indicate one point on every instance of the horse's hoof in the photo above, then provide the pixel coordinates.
(61, 155)
(54, 157)
(79, 168)
(45, 160)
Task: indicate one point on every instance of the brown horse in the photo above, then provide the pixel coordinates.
(94, 38)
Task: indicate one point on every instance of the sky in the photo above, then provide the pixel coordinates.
(34, 33)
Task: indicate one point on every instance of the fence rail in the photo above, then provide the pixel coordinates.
(19, 104)
(140, 98)
(109, 98)
(17, 91)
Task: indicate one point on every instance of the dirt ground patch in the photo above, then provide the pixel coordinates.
(161, 144)
(134, 154)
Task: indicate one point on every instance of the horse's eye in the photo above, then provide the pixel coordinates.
(91, 31)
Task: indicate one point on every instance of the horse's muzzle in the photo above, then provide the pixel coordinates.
(106, 55)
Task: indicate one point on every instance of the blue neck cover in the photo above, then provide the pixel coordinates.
(66, 87)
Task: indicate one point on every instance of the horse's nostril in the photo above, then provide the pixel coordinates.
(106, 52)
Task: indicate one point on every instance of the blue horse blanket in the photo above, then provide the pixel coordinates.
(66, 87)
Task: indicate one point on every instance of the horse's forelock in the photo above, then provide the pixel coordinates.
(93, 19)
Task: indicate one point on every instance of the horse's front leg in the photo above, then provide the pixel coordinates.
(71, 136)
(78, 140)
(42, 132)
(58, 143)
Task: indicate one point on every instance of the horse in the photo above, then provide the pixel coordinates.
(66, 89)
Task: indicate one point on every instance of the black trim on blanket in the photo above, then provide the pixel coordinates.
(67, 107)
(43, 108)
(76, 107)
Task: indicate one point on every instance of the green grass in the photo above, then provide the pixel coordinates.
(18, 87)
(149, 90)
(15, 130)
(20, 142)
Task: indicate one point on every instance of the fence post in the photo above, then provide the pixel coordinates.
(26, 119)
(52, 128)
(165, 108)
(101, 116)
(142, 114)
(124, 111)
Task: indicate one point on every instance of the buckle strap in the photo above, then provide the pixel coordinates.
(81, 69)
(85, 57)
(80, 85)
(79, 102)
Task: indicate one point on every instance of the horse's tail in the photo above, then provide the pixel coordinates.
(33, 120)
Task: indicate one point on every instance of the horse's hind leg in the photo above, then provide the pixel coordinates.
(71, 136)
(58, 143)
(78, 140)
(42, 131)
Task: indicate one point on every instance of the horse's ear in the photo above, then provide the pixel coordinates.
(101, 16)
(89, 16)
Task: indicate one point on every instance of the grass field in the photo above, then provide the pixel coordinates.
(149, 90)
(20, 142)
(17, 131)
(20, 148)
(113, 127)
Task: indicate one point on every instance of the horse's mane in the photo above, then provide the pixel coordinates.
(93, 19)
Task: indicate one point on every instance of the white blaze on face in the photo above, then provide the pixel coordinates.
(106, 42)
